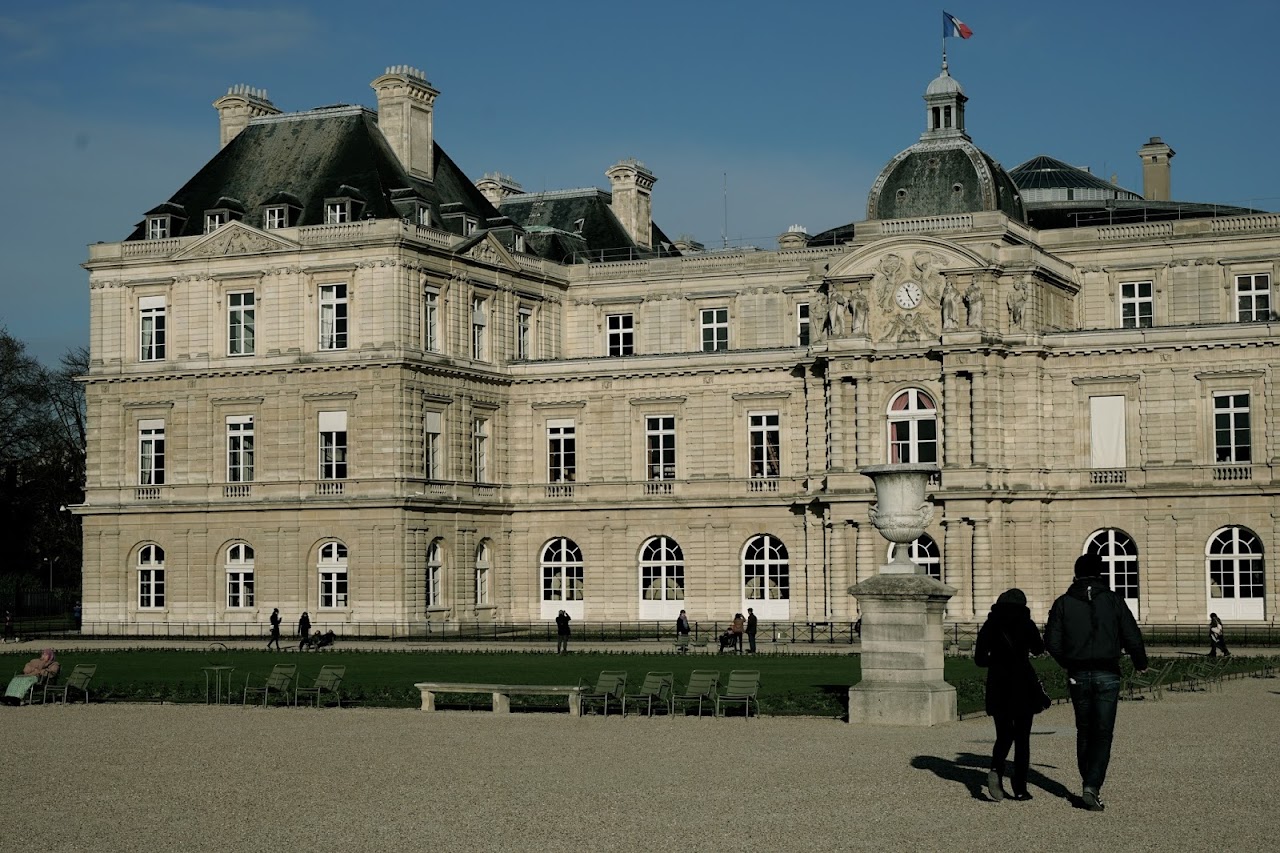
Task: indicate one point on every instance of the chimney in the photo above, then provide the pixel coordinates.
(238, 107)
(632, 199)
(406, 104)
(496, 187)
(1155, 170)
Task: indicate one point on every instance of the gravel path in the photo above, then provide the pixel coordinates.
(1191, 770)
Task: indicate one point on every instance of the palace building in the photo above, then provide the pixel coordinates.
(333, 373)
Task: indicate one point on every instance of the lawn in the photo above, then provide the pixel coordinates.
(805, 684)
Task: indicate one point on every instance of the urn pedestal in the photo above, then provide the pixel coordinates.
(902, 641)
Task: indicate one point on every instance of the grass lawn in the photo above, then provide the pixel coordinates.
(789, 684)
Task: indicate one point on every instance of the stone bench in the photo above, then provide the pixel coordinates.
(502, 693)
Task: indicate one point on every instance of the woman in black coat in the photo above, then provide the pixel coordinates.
(1003, 646)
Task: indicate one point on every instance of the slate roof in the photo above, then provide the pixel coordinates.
(1045, 173)
(551, 221)
(940, 176)
(310, 156)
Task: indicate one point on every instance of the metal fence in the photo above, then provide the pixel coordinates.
(961, 635)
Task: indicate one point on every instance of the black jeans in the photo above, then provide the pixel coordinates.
(1013, 730)
(1094, 695)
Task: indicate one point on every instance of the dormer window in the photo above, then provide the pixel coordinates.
(214, 220)
(336, 212)
(343, 206)
(281, 211)
(221, 213)
(276, 216)
(469, 226)
(158, 227)
(423, 216)
(519, 243)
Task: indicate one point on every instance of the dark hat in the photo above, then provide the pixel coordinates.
(1089, 566)
(1012, 596)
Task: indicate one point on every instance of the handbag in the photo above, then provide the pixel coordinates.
(1040, 700)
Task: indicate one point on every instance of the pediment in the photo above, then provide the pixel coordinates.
(235, 238)
(489, 251)
(918, 255)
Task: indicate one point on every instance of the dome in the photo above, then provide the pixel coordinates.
(943, 176)
(944, 84)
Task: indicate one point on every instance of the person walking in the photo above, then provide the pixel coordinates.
(1216, 641)
(562, 633)
(1004, 642)
(682, 624)
(1089, 628)
(275, 629)
(304, 631)
(752, 625)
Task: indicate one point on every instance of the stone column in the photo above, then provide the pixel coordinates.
(835, 421)
(955, 565)
(982, 589)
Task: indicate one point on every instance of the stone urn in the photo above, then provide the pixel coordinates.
(901, 512)
(902, 607)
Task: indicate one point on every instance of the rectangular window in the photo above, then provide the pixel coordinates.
(424, 216)
(333, 445)
(240, 323)
(1231, 435)
(239, 588)
(151, 453)
(562, 452)
(158, 228)
(765, 443)
(715, 329)
(214, 221)
(802, 324)
(434, 570)
(277, 217)
(333, 316)
(431, 319)
(1253, 298)
(482, 575)
(621, 334)
(519, 242)
(524, 319)
(1136, 304)
(468, 226)
(240, 448)
(480, 449)
(660, 447)
(433, 458)
(1107, 442)
(151, 589)
(333, 586)
(151, 332)
(337, 212)
(479, 325)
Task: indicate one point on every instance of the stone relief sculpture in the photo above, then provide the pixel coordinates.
(887, 277)
(931, 281)
(950, 307)
(973, 302)
(908, 328)
(1017, 305)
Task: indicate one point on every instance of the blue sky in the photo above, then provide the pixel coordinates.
(795, 106)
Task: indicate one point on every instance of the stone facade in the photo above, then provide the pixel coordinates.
(664, 414)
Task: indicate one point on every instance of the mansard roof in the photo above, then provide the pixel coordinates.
(310, 156)
(578, 224)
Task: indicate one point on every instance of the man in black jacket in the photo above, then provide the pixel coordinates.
(1088, 629)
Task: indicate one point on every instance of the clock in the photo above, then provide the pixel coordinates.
(908, 295)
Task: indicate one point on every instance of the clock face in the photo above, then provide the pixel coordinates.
(908, 295)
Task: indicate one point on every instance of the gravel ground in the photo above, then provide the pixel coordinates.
(1194, 769)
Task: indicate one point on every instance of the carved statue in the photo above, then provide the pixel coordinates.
(835, 316)
(859, 307)
(973, 302)
(1018, 304)
(887, 278)
(950, 307)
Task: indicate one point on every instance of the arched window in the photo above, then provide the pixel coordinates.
(913, 427)
(661, 578)
(1119, 553)
(151, 577)
(766, 577)
(924, 553)
(333, 574)
(435, 574)
(482, 574)
(239, 569)
(562, 574)
(1234, 564)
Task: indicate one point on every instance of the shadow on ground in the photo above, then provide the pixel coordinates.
(970, 770)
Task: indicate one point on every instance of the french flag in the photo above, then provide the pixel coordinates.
(953, 27)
